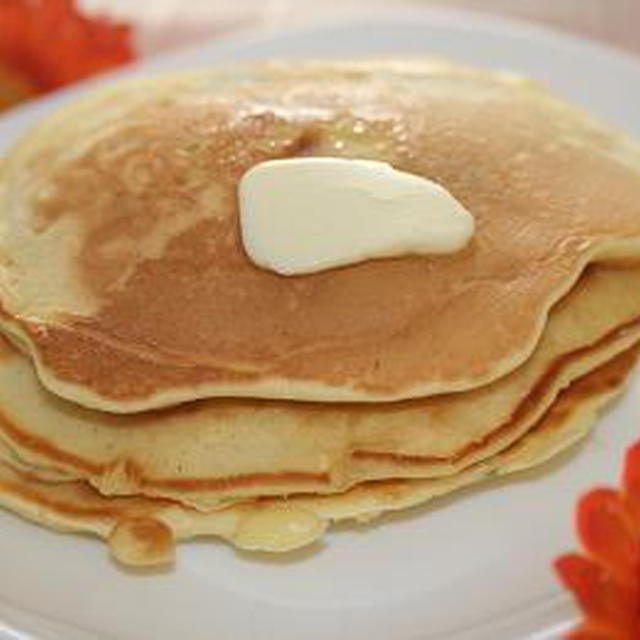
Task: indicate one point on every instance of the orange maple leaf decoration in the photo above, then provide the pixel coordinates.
(48, 43)
(605, 579)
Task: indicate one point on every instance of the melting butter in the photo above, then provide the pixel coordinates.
(305, 215)
(278, 529)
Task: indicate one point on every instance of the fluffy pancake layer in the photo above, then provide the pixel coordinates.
(214, 452)
(143, 531)
(129, 198)
(125, 289)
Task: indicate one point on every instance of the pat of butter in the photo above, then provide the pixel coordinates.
(310, 214)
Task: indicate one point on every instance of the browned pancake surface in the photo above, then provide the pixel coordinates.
(178, 311)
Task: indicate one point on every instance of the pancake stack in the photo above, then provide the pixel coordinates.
(156, 385)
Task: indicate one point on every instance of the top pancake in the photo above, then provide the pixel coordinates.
(123, 274)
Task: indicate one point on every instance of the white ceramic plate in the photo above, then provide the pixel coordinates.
(476, 566)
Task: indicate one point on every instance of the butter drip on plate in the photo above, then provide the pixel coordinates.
(305, 215)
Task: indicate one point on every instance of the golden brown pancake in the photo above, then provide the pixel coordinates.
(209, 453)
(123, 275)
(142, 531)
